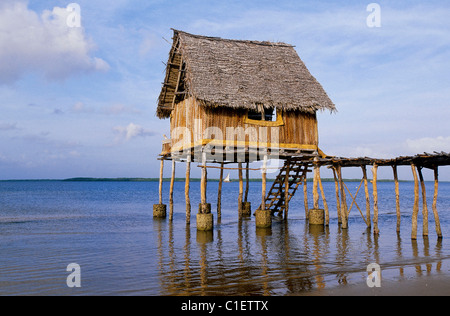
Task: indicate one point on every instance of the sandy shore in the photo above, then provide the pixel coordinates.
(435, 285)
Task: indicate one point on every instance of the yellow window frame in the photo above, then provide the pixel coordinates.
(278, 122)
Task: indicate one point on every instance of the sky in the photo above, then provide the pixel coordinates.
(78, 96)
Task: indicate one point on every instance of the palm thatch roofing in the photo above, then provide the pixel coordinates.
(239, 74)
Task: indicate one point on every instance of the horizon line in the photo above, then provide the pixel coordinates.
(177, 179)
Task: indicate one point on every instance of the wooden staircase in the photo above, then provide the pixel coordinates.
(296, 172)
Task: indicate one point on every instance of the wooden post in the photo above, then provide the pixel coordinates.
(416, 204)
(219, 194)
(263, 189)
(305, 195)
(435, 212)
(366, 192)
(203, 180)
(246, 206)
(397, 197)
(241, 190)
(172, 179)
(205, 219)
(376, 230)
(424, 203)
(247, 182)
(286, 190)
(161, 180)
(263, 217)
(354, 201)
(186, 189)
(159, 210)
(338, 202)
(315, 184)
(344, 207)
(325, 204)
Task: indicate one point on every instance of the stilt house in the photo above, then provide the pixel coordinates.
(235, 101)
(238, 96)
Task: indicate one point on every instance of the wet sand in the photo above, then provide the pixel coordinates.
(432, 285)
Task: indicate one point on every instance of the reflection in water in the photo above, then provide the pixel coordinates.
(399, 254)
(239, 259)
(342, 252)
(422, 260)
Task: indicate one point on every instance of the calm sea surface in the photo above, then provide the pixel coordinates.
(107, 228)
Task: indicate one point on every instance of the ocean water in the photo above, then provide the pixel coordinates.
(107, 228)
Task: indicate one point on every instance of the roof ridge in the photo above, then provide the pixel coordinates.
(215, 38)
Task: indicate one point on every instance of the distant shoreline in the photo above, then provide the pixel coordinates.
(88, 179)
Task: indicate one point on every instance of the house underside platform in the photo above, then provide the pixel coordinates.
(236, 154)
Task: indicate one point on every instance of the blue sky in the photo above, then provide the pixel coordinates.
(80, 102)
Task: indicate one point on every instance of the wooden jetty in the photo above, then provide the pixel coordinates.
(418, 162)
(241, 102)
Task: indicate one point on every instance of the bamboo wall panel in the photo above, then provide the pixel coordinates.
(222, 123)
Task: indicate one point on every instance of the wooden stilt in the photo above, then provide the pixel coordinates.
(354, 198)
(397, 197)
(315, 185)
(354, 201)
(416, 204)
(219, 194)
(263, 217)
(366, 192)
(424, 203)
(159, 210)
(286, 190)
(376, 230)
(246, 205)
(172, 179)
(203, 181)
(241, 190)
(305, 196)
(435, 212)
(247, 182)
(338, 202)
(325, 204)
(161, 180)
(205, 219)
(344, 208)
(263, 189)
(186, 189)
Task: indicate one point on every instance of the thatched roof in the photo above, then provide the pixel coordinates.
(239, 74)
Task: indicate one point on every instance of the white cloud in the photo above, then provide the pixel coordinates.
(340, 33)
(3, 158)
(429, 144)
(44, 44)
(80, 107)
(114, 109)
(119, 108)
(7, 126)
(74, 153)
(149, 43)
(131, 131)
